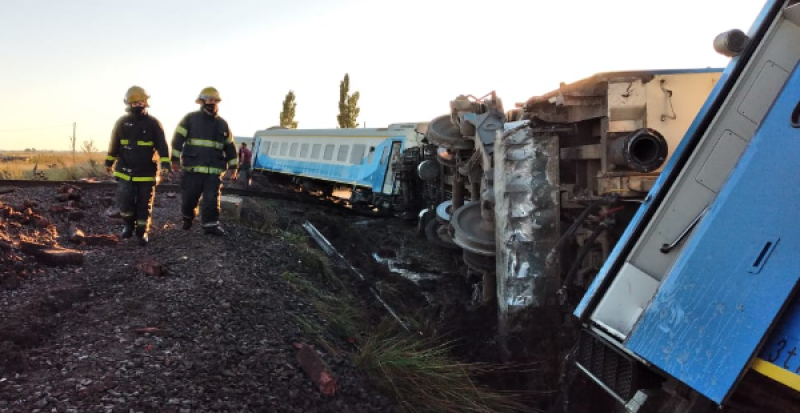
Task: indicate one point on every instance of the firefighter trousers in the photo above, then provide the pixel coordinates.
(135, 202)
(193, 186)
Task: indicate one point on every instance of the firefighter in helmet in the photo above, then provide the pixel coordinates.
(202, 149)
(135, 140)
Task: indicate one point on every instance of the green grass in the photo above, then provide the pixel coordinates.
(335, 305)
(422, 375)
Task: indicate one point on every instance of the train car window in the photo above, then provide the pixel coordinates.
(304, 150)
(371, 155)
(265, 147)
(328, 152)
(342, 155)
(315, 150)
(385, 155)
(275, 148)
(284, 147)
(293, 150)
(357, 154)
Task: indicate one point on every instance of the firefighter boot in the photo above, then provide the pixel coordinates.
(215, 230)
(127, 230)
(142, 237)
(187, 223)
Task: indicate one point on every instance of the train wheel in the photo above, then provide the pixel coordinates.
(436, 233)
(447, 135)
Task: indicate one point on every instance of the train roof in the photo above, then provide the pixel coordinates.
(645, 75)
(391, 130)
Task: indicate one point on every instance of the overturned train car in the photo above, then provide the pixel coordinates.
(536, 197)
(701, 290)
(357, 164)
(652, 206)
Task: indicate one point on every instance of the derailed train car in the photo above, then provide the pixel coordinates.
(683, 281)
(359, 162)
(700, 291)
(556, 180)
(611, 199)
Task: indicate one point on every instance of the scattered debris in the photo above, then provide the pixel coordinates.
(152, 268)
(331, 251)
(53, 256)
(75, 235)
(101, 240)
(316, 368)
(148, 330)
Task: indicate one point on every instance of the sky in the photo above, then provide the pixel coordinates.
(65, 62)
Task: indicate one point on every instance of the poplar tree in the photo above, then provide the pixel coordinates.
(287, 114)
(348, 105)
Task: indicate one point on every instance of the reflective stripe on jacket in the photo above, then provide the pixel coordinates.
(134, 142)
(204, 144)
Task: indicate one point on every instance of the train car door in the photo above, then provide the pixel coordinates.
(388, 163)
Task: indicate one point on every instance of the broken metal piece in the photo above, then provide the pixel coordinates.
(331, 251)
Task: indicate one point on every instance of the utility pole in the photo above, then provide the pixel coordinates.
(74, 126)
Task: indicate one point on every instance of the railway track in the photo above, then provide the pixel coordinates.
(287, 195)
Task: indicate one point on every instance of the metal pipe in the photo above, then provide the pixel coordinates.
(643, 150)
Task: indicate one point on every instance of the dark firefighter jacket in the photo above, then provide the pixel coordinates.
(204, 144)
(134, 142)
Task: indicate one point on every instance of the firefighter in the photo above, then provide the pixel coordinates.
(135, 140)
(202, 149)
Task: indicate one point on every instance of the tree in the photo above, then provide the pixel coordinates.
(89, 147)
(348, 105)
(287, 114)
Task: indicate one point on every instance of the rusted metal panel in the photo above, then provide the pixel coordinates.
(527, 218)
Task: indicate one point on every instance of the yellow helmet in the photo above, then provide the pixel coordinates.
(136, 94)
(208, 93)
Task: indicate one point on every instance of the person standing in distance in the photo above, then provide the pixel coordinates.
(202, 149)
(135, 139)
(245, 167)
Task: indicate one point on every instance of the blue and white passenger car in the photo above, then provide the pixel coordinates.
(359, 159)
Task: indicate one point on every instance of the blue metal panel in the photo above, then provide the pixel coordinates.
(673, 166)
(738, 270)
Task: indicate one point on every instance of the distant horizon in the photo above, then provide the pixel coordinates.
(43, 150)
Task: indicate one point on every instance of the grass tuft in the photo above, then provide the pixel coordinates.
(423, 377)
